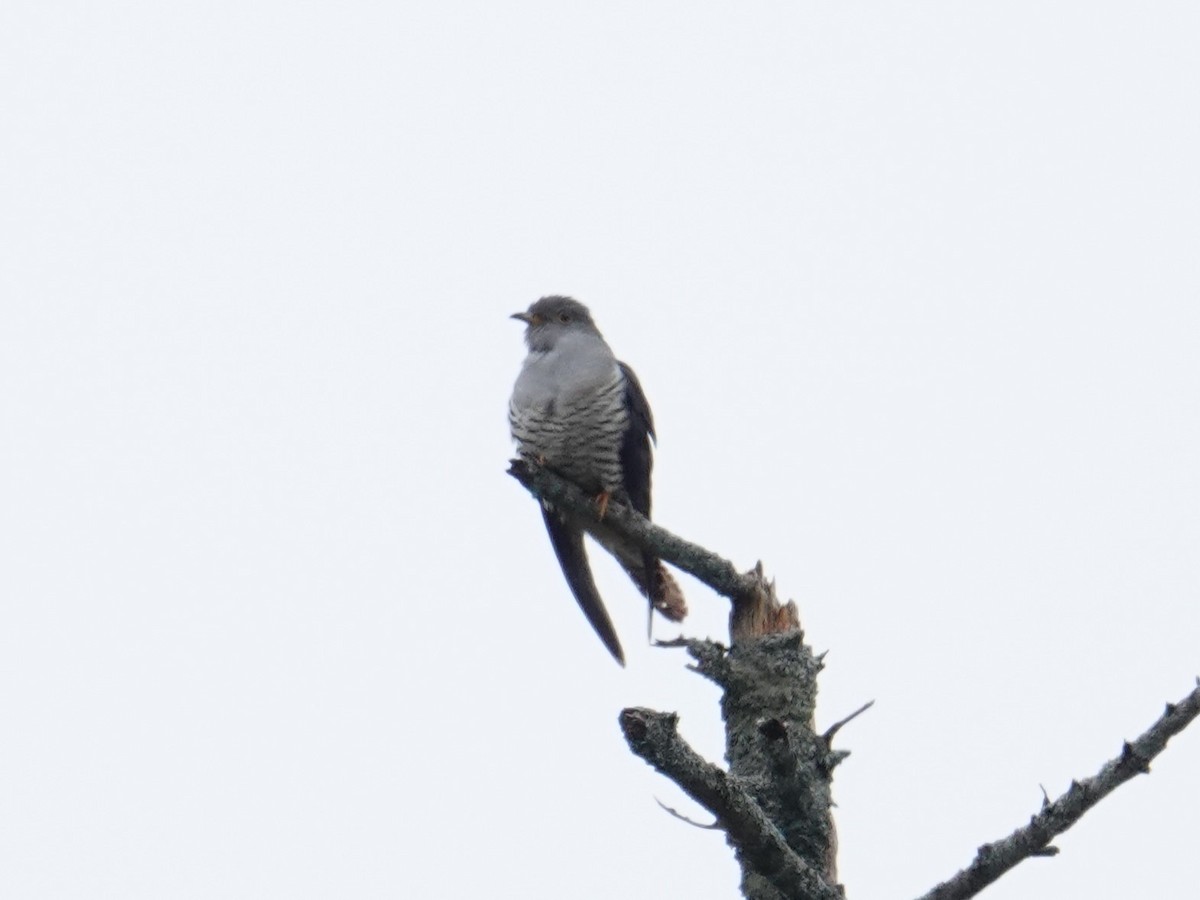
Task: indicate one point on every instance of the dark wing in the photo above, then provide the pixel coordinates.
(567, 541)
(636, 457)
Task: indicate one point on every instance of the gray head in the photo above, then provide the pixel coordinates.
(551, 317)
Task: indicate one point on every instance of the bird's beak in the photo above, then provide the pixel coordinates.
(527, 318)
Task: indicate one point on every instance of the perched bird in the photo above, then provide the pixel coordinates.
(579, 411)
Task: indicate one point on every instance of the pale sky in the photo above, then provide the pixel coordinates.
(912, 288)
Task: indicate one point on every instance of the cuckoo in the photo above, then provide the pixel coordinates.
(581, 412)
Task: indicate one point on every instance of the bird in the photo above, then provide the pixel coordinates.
(581, 412)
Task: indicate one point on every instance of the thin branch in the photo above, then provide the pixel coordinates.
(671, 643)
(993, 860)
(718, 573)
(654, 737)
(715, 826)
(837, 726)
(756, 610)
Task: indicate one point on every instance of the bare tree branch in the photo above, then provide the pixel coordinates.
(713, 570)
(714, 826)
(756, 610)
(993, 860)
(837, 726)
(655, 738)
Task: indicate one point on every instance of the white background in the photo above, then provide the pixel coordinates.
(912, 288)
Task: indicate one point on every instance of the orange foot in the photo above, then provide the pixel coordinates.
(602, 504)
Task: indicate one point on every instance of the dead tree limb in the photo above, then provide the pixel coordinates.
(755, 609)
(993, 860)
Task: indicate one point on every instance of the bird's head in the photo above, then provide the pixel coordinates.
(550, 318)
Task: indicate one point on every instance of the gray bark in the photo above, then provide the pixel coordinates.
(994, 859)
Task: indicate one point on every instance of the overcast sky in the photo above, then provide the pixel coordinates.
(912, 288)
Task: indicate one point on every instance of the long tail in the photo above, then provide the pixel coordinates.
(567, 540)
(652, 578)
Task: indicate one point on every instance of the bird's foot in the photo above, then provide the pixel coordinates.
(602, 499)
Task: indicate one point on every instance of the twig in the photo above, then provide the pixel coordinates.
(715, 571)
(715, 826)
(837, 726)
(756, 610)
(993, 860)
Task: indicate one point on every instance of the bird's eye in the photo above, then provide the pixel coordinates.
(564, 318)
